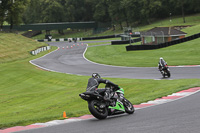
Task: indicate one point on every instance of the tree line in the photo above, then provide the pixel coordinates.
(115, 11)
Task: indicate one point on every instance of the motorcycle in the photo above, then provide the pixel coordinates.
(164, 69)
(100, 108)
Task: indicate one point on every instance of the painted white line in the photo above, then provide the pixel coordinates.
(105, 64)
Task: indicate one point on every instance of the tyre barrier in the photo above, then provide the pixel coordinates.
(162, 45)
(125, 42)
(108, 36)
(84, 38)
(38, 50)
(101, 37)
(59, 40)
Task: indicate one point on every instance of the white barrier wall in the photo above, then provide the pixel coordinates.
(59, 40)
(37, 51)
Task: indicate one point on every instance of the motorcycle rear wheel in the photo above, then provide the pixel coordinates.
(129, 108)
(96, 111)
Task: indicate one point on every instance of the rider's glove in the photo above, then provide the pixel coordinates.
(117, 87)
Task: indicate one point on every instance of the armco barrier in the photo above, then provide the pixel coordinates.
(38, 50)
(101, 37)
(85, 38)
(105, 37)
(125, 42)
(197, 35)
(91, 38)
(57, 40)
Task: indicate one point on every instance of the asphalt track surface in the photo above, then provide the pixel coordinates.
(179, 116)
(70, 59)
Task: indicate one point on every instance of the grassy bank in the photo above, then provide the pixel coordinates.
(16, 47)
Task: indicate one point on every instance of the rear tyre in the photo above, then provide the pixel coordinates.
(96, 111)
(129, 108)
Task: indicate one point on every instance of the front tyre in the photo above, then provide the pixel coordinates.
(128, 106)
(168, 73)
(96, 111)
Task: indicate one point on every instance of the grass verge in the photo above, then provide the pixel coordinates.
(181, 54)
(30, 95)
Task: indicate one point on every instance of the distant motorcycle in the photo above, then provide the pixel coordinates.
(165, 71)
(100, 108)
(163, 68)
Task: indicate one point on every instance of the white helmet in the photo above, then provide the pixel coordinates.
(96, 75)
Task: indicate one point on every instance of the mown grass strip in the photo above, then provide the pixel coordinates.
(181, 54)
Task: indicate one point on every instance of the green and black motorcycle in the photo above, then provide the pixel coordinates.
(100, 108)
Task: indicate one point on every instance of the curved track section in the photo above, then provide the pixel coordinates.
(69, 58)
(180, 116)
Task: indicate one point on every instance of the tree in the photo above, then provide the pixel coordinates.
(179, 6)
(3, 9)
(52, 11)
(115, 12)
(101, 13)
(149, 9)
(194, 6)
(132, 12)
(15, 10)
(33, 11)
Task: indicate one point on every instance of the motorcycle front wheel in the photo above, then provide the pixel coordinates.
(168, 74)
(96, 111)
(129, 108)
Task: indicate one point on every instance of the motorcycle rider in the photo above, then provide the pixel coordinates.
(94, 82)
(161, 64)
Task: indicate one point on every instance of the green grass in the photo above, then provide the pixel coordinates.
(30, 95)
(176, 21)
(192, 30)
(16, 47)
(186, 53)
(181, 54)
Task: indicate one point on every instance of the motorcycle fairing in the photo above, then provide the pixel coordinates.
(118, 106)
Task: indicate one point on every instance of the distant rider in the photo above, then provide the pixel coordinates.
(94, 82)
(161, 64)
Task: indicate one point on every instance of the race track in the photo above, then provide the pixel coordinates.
(180, 116)
(70, 59)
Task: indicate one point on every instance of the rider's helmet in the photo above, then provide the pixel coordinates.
(96, 75)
